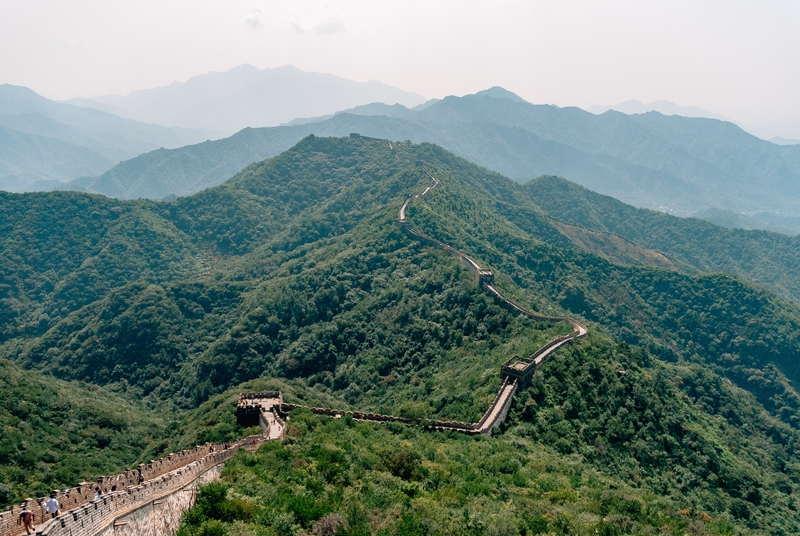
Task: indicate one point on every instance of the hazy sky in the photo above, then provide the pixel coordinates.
(740, 59)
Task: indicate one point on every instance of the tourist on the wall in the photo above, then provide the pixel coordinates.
(27, 518)
(51, 506)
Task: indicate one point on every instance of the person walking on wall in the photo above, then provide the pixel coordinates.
(51, 506)
(27, 518)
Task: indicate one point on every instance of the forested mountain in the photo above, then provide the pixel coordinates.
(769, 259)
(669, 163)
(679, 413)
(42, 140)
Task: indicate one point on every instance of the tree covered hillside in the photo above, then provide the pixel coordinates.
(295, 270)
(55, 434)
(766, 258)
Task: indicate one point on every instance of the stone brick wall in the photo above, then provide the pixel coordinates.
(83, 515)
(160, 517)
(97, 515)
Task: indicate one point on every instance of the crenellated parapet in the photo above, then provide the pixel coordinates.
(83, 513)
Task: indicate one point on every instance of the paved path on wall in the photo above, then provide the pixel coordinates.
(91, 516)
(501, 404)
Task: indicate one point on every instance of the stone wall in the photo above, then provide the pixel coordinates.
(86, 516)
(156, 507)
(161, 517)
(494, 416)
(83, 494)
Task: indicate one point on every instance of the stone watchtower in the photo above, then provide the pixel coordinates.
(485, 277)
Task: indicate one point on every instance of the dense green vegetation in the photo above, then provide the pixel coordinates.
(61, 251)
(293, 275)
(339, 476)
(769, 259)
(633, 446)
(360, 479)
(679, 431)
(55, 434)
(745, 333)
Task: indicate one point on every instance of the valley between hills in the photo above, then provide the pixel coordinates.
(145, 319)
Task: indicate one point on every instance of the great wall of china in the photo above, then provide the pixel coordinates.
(155, 506)
(83, 514)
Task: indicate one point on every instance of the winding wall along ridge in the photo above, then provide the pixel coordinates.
(515, 373)
(86, 516)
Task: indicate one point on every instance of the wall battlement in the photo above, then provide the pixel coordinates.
(85, 515)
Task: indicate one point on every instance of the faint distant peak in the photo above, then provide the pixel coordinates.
(380, 108)
(245, 96)
(426, 104)
(663, 107)
(780, 140)
(16, 100)
(10, 89)
(248, 67)
(498, 92)
(371, 109)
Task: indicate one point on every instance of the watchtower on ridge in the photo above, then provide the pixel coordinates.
(485, 277)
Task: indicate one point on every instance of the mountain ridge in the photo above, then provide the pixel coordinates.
(245, 96)
(48, 141)
(684, 166)
(295, 271)
(664, 107)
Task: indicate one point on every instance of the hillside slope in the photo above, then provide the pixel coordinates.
(306, 277)
(56, 434)
(766, 258)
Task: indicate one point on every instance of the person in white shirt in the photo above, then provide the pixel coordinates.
(52, 506)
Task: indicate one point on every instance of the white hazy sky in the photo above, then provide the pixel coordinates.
(740, 59)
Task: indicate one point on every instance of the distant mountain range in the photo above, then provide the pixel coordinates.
(663, 107)
(778, 132)
(674, 164)
(43, 141)
(248, 97)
